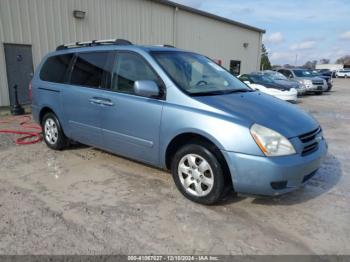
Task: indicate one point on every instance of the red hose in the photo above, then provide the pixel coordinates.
(29, 136)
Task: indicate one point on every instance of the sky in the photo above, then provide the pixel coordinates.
(296, 30)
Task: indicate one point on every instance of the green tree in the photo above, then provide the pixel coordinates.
(345, 60)
(324, 61)
(310, 64)
(265, 61)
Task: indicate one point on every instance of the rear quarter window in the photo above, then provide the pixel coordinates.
(55, 68)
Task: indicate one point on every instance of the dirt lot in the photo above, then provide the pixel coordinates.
(85, 201)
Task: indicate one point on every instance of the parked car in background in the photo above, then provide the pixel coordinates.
(324, 72)
(268, 81)
(305, 77)
(179, 111)
(343, 73)
(287, 95)
(266, 84)
(326, 76)
(281, 79)
(328, 72)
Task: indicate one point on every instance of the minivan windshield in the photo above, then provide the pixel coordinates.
(198, 75)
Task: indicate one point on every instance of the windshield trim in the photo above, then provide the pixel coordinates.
(153, 53)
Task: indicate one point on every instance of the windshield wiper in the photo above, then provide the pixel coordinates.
(240, 91)
(222, 92)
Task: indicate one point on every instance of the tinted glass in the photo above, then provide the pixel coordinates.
(55, 68)
(304, 73)
(286, 73)
(198, 75)
(244, 78)
(92, 70)
(276, 76)
(129, 68)
(262, 78)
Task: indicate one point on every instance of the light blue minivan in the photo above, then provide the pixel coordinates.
(179, 111)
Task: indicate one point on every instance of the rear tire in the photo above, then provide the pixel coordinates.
(53, 133)
(198, 174)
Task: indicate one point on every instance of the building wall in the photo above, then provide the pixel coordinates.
(218, 40)
(332, 67)
(45, 24)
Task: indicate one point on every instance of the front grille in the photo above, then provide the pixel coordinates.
(309, 149)
(307, 137)
(317, 82)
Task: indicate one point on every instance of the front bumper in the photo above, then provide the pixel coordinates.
(318, 88)
(288, 95)
(259, 175)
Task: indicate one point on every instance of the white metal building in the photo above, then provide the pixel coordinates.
(332, 67)
(29, 29)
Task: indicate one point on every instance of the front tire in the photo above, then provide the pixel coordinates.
(198, 174)
(53, 133)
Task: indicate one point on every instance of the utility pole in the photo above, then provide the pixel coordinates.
(296, 59)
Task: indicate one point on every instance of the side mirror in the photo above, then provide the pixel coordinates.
(146, 88)
(290, 76)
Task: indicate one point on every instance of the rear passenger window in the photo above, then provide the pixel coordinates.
(92, 70)
(130, 68)
(55, 68)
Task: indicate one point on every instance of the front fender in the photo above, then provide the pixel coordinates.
(220, 130)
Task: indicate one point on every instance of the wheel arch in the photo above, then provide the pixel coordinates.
(44, 110)
(195, 138)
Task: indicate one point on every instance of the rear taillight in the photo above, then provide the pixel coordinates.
(30, 90)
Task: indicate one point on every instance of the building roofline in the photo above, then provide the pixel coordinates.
(210, 15)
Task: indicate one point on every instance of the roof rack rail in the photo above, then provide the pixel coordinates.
(165, 45)
(94, 43)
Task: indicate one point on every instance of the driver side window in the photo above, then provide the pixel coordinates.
(129, 68)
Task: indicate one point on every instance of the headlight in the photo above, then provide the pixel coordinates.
(271, 142)
(305, 82)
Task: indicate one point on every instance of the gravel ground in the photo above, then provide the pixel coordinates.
(85, 201)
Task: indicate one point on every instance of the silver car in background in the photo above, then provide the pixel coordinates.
(305, 77)
(281, 79)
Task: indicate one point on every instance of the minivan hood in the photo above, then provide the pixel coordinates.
(256, 107)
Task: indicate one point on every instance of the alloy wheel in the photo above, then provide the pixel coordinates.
(51, 131)
(196, 175)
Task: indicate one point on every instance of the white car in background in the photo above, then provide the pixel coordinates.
(289, 95)
(343, 73)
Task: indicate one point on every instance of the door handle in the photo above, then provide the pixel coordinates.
(101, 101)
(95, 101)
(107, 102)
